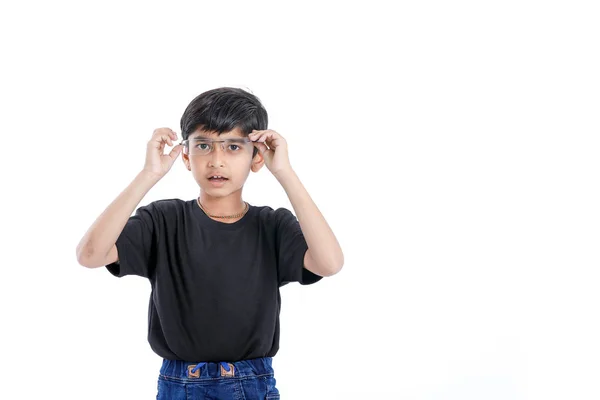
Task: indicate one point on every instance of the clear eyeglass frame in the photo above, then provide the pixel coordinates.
(196, 150)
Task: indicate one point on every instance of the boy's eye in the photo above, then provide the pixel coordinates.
(203, 144)
(234, 145)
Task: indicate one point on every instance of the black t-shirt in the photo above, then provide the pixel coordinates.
(215, 286)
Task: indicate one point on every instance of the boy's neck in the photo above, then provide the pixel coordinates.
(230, 205)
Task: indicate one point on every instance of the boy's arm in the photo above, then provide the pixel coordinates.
(324, 256)
(96, 248)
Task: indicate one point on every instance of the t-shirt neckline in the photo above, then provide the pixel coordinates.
(208, 222)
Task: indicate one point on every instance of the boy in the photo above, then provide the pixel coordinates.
(215, 263)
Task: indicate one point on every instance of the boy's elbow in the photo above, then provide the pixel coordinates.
(338, 264)
(85, 262)
(324, 268)
(335, 270)
(87, 257)
(334, 267)
(82, 253)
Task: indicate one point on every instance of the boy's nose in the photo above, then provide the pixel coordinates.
(216, 154)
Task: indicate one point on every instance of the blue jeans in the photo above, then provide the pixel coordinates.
(242, 380)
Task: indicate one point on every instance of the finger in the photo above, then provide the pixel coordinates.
(269, 135)
(259, 137)
(161, 136)
(174, 153)
(265, 139)
(261, 148)
(161, 133)
(256, 134)
(273, 139)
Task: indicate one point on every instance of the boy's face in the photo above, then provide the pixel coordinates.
(227, 159)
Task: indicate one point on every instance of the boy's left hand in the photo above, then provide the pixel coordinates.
(273, 148)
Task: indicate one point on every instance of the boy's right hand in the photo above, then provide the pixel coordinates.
(157, 163)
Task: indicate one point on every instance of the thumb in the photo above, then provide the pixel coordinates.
(261, 147)
(264, 152)
(175, 151)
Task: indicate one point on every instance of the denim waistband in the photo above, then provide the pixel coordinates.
(186, 370)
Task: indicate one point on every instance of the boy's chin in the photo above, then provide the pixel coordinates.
(222, 191)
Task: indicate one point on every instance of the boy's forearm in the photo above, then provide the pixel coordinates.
(104, 232)
(322, 243)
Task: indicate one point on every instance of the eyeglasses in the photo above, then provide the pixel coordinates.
(203, 146)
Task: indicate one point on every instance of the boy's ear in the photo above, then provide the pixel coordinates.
(186, 160)
(257, 162)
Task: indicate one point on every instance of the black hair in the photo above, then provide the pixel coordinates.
(222, 110)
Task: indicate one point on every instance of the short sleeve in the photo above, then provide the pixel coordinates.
(291, 248)
(135, 245)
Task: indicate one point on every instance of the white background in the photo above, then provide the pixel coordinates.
(452, 147)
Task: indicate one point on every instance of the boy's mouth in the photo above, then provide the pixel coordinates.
(217, 178)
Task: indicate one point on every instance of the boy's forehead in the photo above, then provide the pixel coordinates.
(236, 132)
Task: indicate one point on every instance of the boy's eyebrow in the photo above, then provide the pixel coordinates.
(200, 137)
